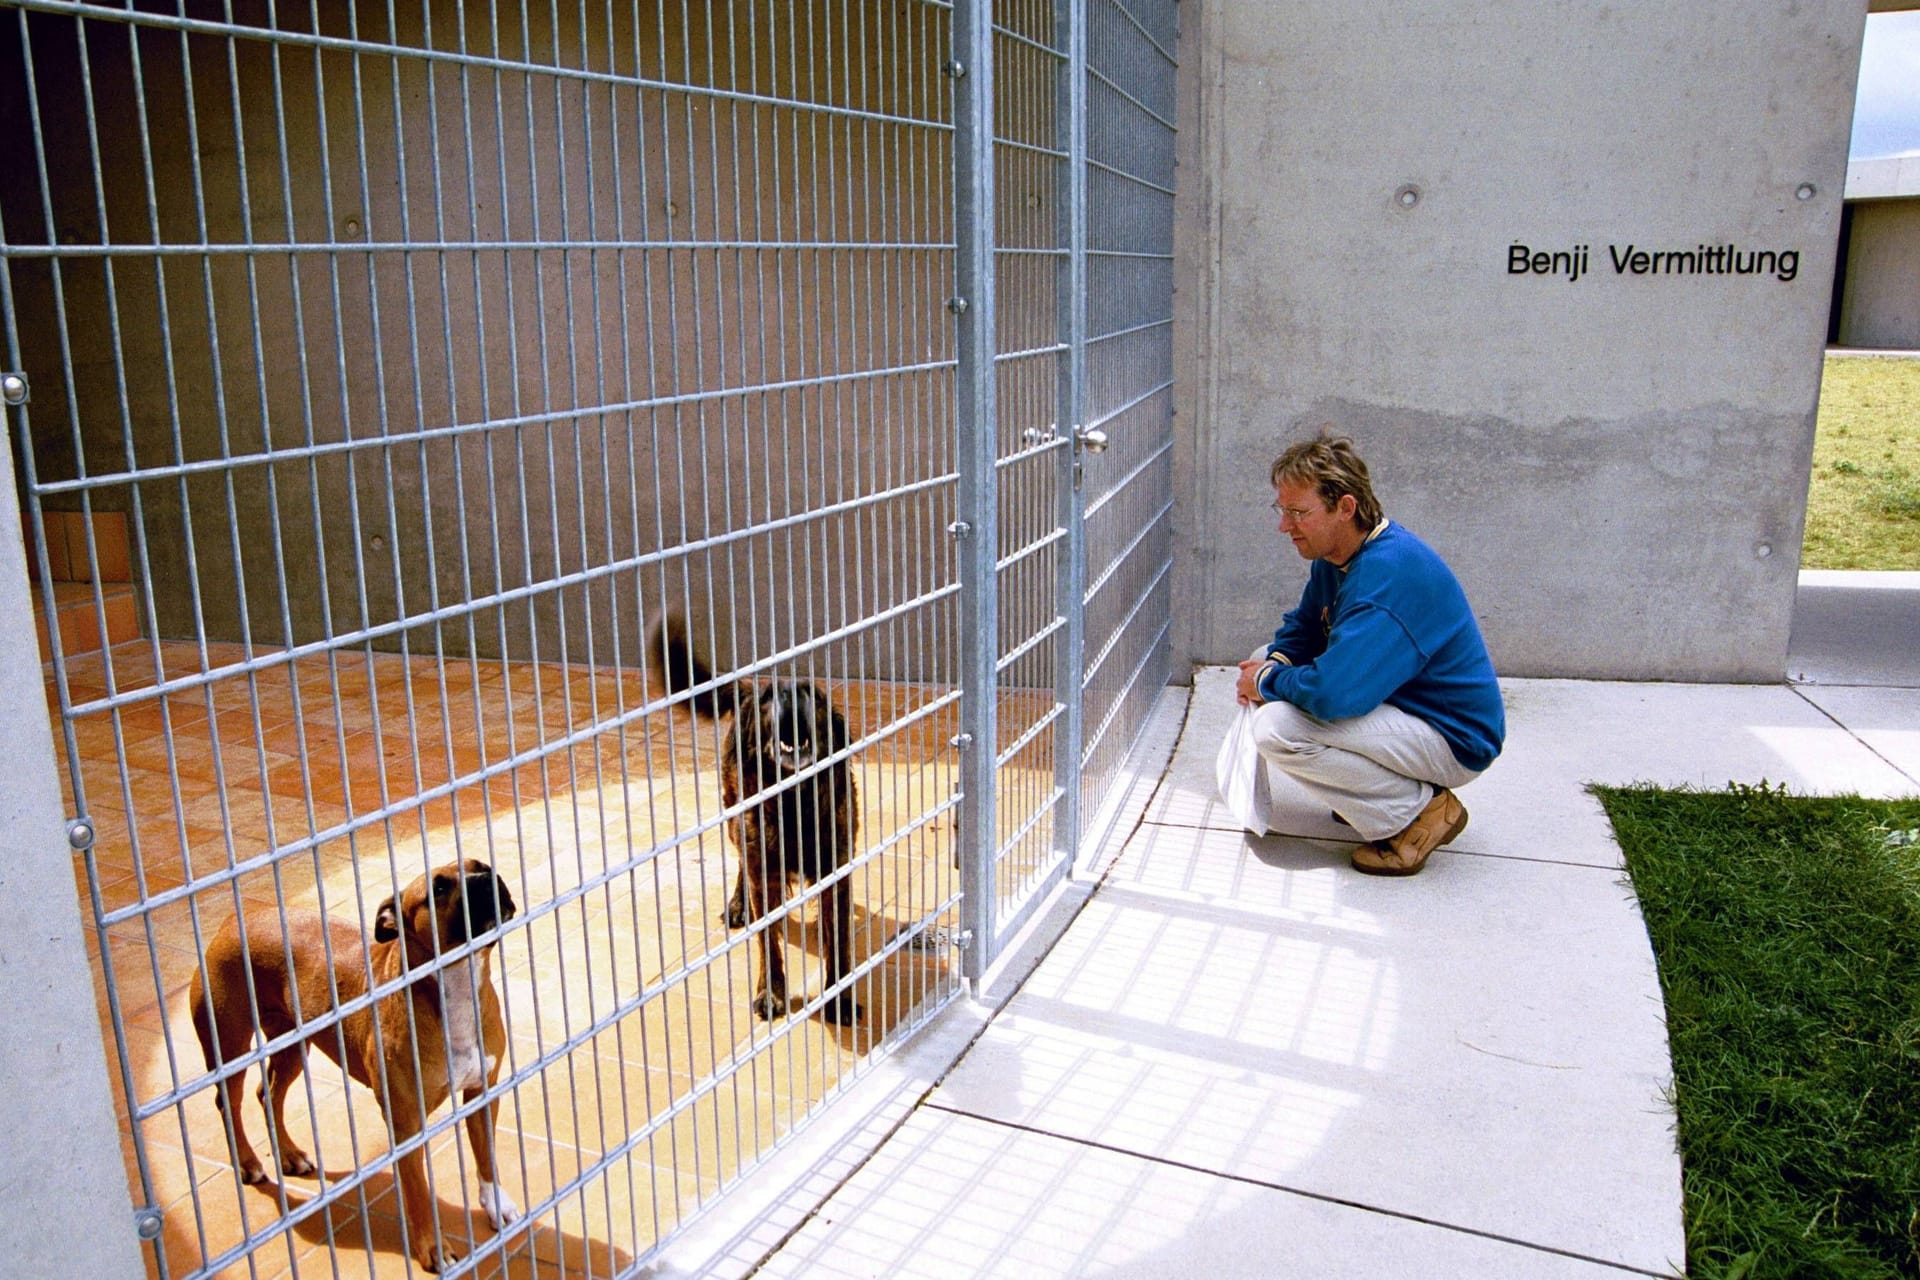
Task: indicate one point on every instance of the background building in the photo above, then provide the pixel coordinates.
(1877, 294)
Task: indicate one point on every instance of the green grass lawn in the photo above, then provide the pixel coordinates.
(1863, 507)
(1787, 931)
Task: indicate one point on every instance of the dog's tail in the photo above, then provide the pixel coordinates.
(683, 668)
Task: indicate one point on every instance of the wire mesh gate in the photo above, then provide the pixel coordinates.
(386, 381)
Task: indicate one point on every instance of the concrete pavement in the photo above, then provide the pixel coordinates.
(1241, 1058)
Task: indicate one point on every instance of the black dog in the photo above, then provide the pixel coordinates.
(781, 729)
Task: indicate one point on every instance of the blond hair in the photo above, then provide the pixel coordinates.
(1332, 467)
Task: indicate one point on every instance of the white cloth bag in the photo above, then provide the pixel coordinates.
(1240, 772)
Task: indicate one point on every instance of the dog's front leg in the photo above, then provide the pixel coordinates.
(736, 917)
(416, 1197)
(501, 1210)
(836, 922)
(767, 889)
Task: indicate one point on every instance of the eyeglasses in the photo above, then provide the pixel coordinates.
(1295, 514)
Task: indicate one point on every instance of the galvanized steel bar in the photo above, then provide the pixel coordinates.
(974, 307)
(1070, 18)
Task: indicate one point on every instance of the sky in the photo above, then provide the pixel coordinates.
(1886, 114)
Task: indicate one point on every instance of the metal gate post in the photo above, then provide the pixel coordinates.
(979, 512)
(67, 1210)
(1070, 96)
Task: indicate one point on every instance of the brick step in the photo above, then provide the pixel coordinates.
(79, 621)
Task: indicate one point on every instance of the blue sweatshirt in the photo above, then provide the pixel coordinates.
(1392, 626)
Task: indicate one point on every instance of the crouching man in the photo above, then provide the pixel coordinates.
(1376, 695)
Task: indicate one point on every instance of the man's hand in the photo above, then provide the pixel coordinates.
(1247, 687)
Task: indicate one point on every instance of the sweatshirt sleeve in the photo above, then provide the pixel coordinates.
(1368, 656)
(1302, 634)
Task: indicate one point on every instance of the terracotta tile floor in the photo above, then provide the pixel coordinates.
(262, 786)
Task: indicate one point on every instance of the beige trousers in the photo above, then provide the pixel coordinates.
(1377, 771)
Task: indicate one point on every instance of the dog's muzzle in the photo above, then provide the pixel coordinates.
(485, 904)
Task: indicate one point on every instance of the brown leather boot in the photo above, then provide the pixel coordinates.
(1441, 822)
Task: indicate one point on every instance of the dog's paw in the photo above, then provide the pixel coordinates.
(502, 1212)
(296, 1164)
(842, 1011)
(769, 1006)
(253, 1173)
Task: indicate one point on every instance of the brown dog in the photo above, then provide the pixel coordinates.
(433, 1017)
(784, 738)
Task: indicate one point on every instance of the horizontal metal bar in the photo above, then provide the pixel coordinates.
(1165, 53)
(1108, 336)
(295, 248)
(1005, 661)
(752, 801)
(1032, 353)
(471, 61)
(1030, 550)
(354, 1186)
(1120, 483)
(311, 1027)
(1117, 87)
(1132, 253)
(1099, 583)
(1032, 451)
(547, 748)
(1127, 176)
(1133, 677)
(1022, 899)
(1031, 148)
(1113, 640)
(1021, 38)
(447, 613)
(589, 1173)
(388, 440)
(1027, 736)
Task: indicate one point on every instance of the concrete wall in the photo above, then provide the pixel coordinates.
(1881, 303)
(1615, 464)
(68, 1207)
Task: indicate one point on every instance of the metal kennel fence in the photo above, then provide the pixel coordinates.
(380, 377)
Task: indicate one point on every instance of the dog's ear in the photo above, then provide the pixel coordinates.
(386, 922)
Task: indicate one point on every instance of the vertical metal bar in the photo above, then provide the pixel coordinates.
(1070, 116)
(978, 434)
